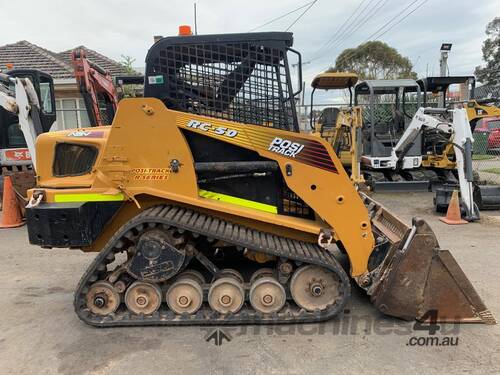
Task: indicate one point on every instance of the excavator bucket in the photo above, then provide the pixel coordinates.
(417, 279)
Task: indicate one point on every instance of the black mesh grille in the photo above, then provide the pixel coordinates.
(294, 206)
(246, 81)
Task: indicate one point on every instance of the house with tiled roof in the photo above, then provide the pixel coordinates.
(70, 106)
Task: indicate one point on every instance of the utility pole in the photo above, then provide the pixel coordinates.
(443, 66)
(195, 21)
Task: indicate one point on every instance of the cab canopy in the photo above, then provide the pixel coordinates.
(334, 80)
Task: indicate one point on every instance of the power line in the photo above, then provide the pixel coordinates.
(339, 29)
(282, 16)
(300, 16)
(390, 27)
(349, 27)
(371, 13)
(402, 19)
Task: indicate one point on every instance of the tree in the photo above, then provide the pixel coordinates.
(374, 60)
(127, 63)
(490, 73)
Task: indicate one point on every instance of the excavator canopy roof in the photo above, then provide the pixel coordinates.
(334, 80)
(439, 84)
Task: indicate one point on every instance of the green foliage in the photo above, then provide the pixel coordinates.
(127, 63)
(490, 73)
(374, 60)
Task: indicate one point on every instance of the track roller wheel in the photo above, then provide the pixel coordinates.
(229, 272)
(267, 295)
(193, 275)
(143, 298)
(102, 298)
(261, 272)
(314, 288)
(226, 295)
(185, 295)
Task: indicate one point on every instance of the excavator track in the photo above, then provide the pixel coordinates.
(191, 225)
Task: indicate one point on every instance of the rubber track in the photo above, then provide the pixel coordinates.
(216, 228)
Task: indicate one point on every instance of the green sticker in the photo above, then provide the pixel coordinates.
(155, 80)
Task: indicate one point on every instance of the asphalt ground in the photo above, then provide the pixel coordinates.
(40, 333)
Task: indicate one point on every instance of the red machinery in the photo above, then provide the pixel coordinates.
(97, 89)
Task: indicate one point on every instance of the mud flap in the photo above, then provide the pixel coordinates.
(417, 277)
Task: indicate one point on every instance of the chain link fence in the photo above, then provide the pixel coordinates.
(486, 157)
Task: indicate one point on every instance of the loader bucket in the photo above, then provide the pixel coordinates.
(418, 280)
(487, 197)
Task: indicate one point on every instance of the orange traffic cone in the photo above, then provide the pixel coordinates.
(11, 213)
(453, 215)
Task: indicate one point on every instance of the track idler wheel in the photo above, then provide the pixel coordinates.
(267, 295)
(314, 288)
(185, 295)
(226, 295)
(102, 298)
(143, 298)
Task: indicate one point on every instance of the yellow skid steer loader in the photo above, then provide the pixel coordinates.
(208, 206)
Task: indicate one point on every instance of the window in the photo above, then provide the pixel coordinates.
(45, 93)
(73, 160)
(15, 137)
(71, 114)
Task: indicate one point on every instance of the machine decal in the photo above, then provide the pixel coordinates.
(20, 154)
(285, 147)
(207, 127)
(238, 201)
(155, 80)
(306, 151)
(151, 174)
(92, 197)
(87, 134)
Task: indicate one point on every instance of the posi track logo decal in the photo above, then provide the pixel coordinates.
(306, 151)
(285, 147)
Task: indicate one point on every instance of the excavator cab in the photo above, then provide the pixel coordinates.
(31, 113)
(388, 109)
(207, 205)
(44, 88)
(43, 115)
(340, 126)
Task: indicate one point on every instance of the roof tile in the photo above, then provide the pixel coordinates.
(24, 54)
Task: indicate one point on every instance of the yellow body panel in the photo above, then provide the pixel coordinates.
(476, 111)
(135, 157)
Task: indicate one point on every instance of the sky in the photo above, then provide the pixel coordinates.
(123, 27)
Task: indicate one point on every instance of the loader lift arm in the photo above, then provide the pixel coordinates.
(96, 85)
